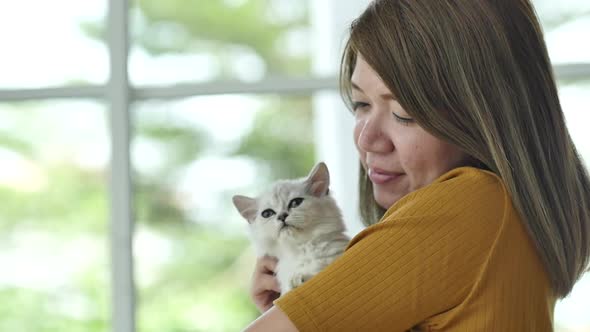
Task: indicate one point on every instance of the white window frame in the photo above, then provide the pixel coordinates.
(333, 126)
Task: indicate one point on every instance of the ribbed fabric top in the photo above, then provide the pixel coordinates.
(452, 256)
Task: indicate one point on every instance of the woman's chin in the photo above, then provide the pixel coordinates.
(386, 200)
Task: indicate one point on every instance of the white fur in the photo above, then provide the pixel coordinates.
(314, 233)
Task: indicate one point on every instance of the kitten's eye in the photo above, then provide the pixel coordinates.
(295, 202)
(267, 213)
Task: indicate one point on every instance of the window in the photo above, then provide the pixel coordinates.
(53, 188)
(221, 97)
(190, 156)
(52, 43)
(197, 41)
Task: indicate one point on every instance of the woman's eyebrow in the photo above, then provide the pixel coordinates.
(387, 96)
(356, 87)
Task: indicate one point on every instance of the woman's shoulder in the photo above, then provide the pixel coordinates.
(460, 191)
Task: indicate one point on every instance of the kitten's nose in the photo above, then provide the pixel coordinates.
(283, 216)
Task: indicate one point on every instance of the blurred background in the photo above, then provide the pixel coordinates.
(224, 98)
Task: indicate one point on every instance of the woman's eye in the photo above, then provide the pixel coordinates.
(267, 213)
(402, 120)
(359, 105)
(295, 202)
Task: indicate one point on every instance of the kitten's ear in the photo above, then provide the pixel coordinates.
(318, 180)
(246, 206)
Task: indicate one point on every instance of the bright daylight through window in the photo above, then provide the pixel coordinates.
(224, 98)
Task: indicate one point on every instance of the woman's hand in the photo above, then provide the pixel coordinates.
(265, 286)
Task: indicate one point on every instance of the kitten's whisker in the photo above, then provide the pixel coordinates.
(318, 215)
(315, 218)
(315, 215)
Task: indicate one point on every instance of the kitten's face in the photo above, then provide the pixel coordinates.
(286, 211)
(291, 209)
(281, 212)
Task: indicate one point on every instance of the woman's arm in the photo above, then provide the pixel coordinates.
(272, 320)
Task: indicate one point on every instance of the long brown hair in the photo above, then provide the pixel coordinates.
(477, 74)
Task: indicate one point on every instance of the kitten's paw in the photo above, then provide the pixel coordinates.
(299, 279)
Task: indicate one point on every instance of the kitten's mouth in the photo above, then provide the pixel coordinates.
(286, 226)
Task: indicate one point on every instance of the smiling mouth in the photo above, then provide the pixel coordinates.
(382, 177)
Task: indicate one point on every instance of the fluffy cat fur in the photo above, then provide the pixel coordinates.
(298, 222)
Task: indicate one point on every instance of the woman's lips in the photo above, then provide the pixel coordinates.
(378, 176)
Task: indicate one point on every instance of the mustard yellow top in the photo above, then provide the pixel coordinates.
(452, 256)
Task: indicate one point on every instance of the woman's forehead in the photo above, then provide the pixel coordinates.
(365, 80)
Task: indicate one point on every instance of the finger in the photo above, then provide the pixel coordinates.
(267, 264)
(265, 300)
(264, 307)
(271, 298)
(265, 283)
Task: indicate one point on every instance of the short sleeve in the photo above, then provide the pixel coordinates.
(420, 260)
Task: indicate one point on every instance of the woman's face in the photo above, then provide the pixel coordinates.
(397, 154)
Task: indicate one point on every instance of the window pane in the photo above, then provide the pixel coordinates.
(571, 314)
(574, 100)
(191, 156)
(177, 41)
(54, 229)
(50, 43)
(566, 24)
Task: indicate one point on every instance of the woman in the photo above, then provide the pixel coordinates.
(476, 201)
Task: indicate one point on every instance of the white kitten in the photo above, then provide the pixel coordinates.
(298, 222)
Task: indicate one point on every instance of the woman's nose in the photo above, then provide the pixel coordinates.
(372, 137)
